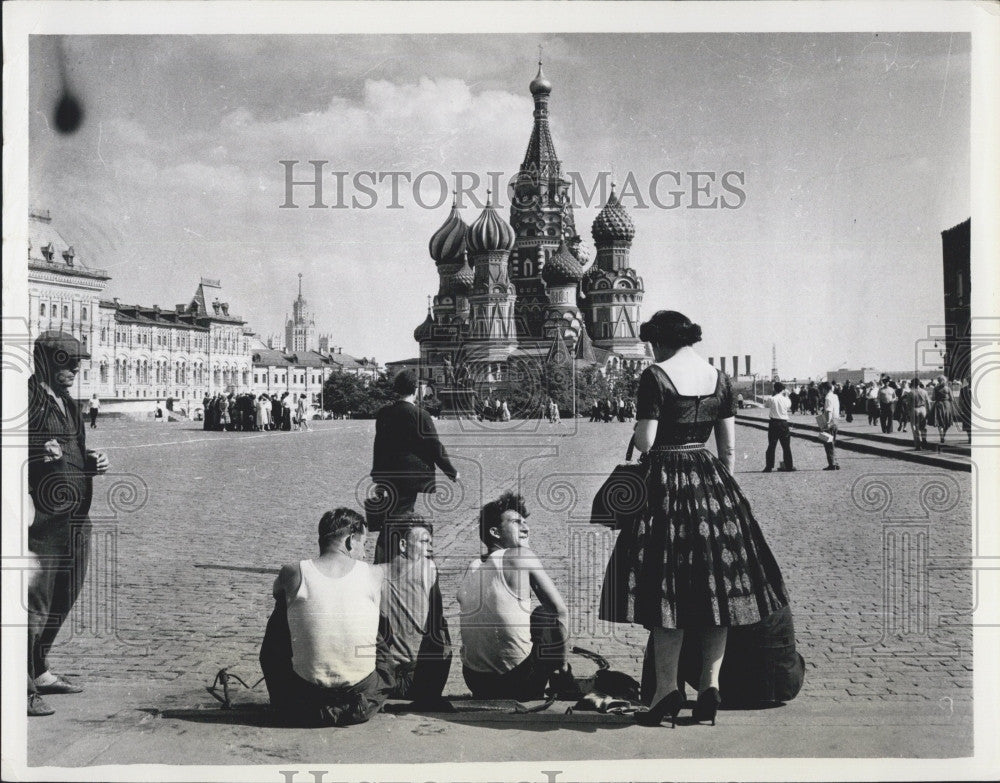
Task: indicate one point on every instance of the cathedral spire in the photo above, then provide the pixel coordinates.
(541, 153)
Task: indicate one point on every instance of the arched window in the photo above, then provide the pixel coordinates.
(41, 309)
(83, 313)
(65, 311)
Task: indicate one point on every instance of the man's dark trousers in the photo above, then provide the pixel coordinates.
(777, 430)
(885, 410)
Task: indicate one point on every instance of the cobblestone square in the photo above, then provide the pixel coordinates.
(190, 525)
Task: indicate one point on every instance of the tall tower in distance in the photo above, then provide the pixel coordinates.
(541, 215)
(774, 362)
(300, 329)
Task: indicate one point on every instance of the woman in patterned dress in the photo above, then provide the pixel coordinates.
(943, 400)
(695, 561)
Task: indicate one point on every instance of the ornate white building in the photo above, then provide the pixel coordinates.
(63, 293)
(140, 354)
(137, 352)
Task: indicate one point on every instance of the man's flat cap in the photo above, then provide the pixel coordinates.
(61, 346)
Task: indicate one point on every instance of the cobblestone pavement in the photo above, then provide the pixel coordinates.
(875, 556)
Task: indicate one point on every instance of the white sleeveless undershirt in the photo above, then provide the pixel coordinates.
(496, 623)
(333, 623)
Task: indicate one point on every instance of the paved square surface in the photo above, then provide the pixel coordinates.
(875, 558)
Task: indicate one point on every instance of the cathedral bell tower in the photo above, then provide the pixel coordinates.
(541, 215)
(611, 289)
(489, 240)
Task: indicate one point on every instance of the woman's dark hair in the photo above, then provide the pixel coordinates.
(405, 383)
(670, 329)
(490, 514)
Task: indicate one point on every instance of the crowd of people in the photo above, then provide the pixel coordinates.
(896, 405)
(247, 412)
(611, 409)
(491, 409)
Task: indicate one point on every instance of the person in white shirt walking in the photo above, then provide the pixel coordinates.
(779, 407)
(828, 431)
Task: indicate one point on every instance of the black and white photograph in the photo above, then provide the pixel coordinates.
(411, 391)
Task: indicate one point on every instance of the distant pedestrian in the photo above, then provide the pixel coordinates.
(504, 411)
(779, 407)
(813, 398)
(301, 409)
(886, 405)
(921, 405)
(850, 399)
(871, 402)
(95, 408)
(828, 425)
(944, 406)
(965, 407)
(903, 406)
(286, 412)
(276, 412)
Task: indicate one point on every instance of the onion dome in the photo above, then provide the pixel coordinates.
(425, 330)
(462, 280)
(562, 268)
(540, 85)
(448, 242)
(489, 232)
(613, 223)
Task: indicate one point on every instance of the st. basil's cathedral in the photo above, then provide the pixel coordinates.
(523, 290)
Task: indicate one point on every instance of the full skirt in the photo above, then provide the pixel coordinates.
(696, 557)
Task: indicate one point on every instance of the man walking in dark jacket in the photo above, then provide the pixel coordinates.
(407, 449)
(60, 471)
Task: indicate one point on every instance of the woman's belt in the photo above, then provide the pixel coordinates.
(680, 447)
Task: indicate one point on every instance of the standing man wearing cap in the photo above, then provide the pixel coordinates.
(60, 482)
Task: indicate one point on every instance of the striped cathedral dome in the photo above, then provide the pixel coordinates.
(448, 242)
(489, 232)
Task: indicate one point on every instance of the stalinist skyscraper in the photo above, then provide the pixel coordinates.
(300, 329)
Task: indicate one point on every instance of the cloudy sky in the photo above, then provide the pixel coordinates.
(854, 150)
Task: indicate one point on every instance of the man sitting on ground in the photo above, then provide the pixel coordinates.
(509, 651)
(412, 610)
(322, 659)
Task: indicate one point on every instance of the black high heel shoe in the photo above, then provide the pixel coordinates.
(669, 705)
(707, 705)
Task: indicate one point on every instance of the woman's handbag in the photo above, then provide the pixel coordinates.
(622, 496)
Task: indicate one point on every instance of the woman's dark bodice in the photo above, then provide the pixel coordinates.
(682, 418)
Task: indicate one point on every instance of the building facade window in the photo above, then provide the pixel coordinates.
(41, 309)
(65, 311)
